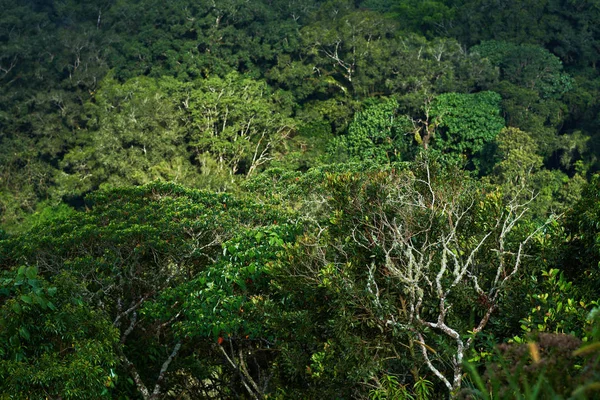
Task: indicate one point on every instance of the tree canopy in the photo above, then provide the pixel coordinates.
(283, 199)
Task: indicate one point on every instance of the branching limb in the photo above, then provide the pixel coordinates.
(430, 365)
(163, 370)
(243, 376)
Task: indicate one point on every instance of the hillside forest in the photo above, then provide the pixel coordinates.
(299, 199)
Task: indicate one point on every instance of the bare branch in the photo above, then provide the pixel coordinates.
(431, 367)
(237, 368)
(163, 370)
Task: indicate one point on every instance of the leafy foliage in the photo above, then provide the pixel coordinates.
(378, 134)
(466, 122)
(133, 245)
(456, 129)
(52, 343)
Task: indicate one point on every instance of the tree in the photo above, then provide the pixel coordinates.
(234, 304)
(413, 253)
(461, 125)
(131, 248)
(362, 54)
(518, 169)
(53, 56)
(190, 40)
(430, 18)
(532, 87)
(237, 122)
(567, 29)
(135, 134)
(580, 255)
(51, 342)
(528, 66)
(518, 157)
(377, 133)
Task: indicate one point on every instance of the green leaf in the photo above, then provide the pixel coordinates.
(216, 329)
(24, 333)
(259, 236)
(16, 307)
(26, 299)
(31, 272)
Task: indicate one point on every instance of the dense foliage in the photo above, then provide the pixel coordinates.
(383, 199)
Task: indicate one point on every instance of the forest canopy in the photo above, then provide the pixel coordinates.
(321, 199)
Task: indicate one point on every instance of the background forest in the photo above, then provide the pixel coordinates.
(285, 199)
